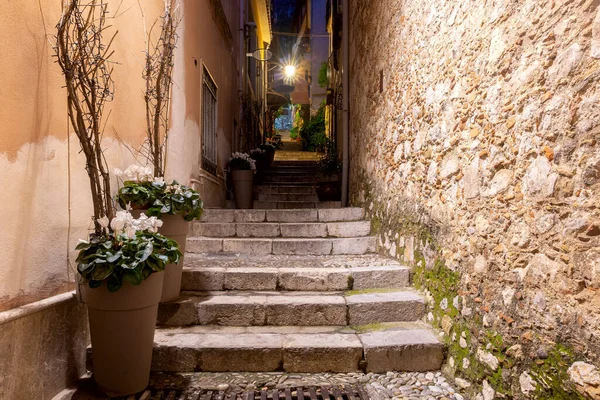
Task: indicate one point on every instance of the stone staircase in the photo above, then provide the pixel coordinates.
(289, 185)
(292, 290)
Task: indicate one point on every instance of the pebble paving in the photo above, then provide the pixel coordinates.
(390, 385)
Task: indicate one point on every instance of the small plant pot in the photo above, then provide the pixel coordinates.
(271, 156)
(176, 228)
(329, 191)
(243, 181)
(122, 327)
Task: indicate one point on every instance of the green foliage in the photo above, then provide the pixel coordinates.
(294, 133)
(552, 377)
(323, 79)
(329, 163)
(313, 134)
(161, 198)
(268, 147)
(114, 259)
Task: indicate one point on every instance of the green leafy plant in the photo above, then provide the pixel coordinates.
(294, 133)
(313, 134)
(323, 78)
(268, 147)
(131, 250)
(329, 164)
(143, 191)
(160, 198)
(261, 158)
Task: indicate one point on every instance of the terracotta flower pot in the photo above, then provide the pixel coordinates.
(176, 228)
(122, 327)
(243, 181)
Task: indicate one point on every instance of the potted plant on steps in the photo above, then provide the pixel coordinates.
(242, 168)
(121, 262)
(270, 149)
(329, 168)
(147, 189)
(122, 271)
(176, 205)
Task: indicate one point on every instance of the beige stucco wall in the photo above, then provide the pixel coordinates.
(45, 192)
(203, 43)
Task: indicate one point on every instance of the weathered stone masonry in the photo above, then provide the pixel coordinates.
(475, 144)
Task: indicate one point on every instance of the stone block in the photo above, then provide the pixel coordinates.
(292, 215)
(217, 215)
(321, 353)
(265, 205)
(203, 279)
(249, 216)
(241, 352)
(231, 310)
(258, 230)
(314, 279)
(341, 214)
(402, 350)
(372, 308)
(295, 205)
(251, 279)
(349, 229)
(361, 245)
(177, 313)
(175, 353)
(247, 246)
(304, 230)
(305, 310)
(214, 229)
(204, 245)
(302, 246)
(380, 277)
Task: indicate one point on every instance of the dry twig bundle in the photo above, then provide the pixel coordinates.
(85, 61)
(158, 73)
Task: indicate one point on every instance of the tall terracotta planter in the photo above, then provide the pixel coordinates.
(176, 228)
(243, 181)
(122, 327)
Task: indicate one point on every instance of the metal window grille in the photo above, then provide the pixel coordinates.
(209, 123)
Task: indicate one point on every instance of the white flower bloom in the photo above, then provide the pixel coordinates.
(131, 232)
(103, 222)
(118, 173)
(138, 173)
(159, 180)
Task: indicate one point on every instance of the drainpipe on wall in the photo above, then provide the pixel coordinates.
(346, 102)
(242, 69)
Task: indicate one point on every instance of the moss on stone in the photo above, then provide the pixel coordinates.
(368, 291)
(552, 377)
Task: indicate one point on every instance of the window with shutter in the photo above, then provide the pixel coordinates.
(209, 123)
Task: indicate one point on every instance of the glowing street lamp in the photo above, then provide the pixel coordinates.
(290, 71)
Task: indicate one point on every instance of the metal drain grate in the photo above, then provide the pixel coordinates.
(345, 392)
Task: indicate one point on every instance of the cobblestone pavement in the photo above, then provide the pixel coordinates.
(391, 385)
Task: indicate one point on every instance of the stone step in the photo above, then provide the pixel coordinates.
(282, 246)
(320, 215)
(252, 308)
(274, 189)
(294, 205)
(284, 197)
(401, 347)
(289, 180)
(215, 278)
(278, 229)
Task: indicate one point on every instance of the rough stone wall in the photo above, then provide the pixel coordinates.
(475, 146)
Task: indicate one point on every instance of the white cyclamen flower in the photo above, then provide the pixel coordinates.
(103, 222)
